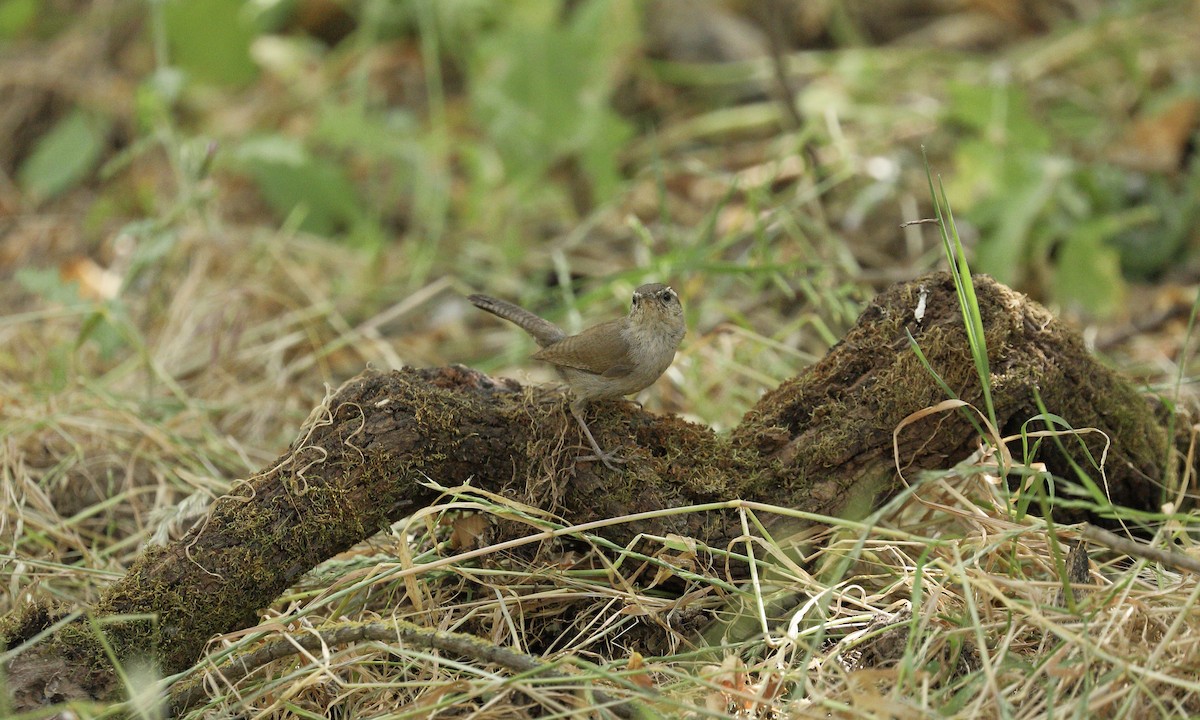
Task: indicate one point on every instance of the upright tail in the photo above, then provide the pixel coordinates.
(543, 331)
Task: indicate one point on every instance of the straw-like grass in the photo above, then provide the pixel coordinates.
(191, 352)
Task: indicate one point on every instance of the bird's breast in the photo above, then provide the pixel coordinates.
(652, 349)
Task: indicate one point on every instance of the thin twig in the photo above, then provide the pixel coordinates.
(1142, 550)
(773, 28)
(185, 697)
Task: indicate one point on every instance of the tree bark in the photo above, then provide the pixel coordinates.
(822, 442)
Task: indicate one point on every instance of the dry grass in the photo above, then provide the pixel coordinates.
(125, 412)
(962, 619)
(942, 604)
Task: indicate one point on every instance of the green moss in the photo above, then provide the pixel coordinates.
(26, 621)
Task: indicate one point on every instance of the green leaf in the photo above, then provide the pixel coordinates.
(1001, 114)
(16, 16)
(292, 180)
(541, 92)
(65, 155)
(1011, 218)
(1088, 273)
(210, 39)
(48, 284)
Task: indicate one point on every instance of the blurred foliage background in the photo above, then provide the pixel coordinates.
(527, 146)
(216, 206)
(234, 202)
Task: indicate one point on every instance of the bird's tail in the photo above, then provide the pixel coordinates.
(543, 331)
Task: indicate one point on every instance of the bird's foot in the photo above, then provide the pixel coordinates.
(606, 458)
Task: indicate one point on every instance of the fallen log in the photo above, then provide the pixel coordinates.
(822, 442)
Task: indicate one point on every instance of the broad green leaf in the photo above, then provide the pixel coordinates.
(48, 284)
(64, 156)
(210, 39)
(293, 180)
(1088, 274)
(1005, 247)
(541, 92)
(16, 16)
(1001, 114)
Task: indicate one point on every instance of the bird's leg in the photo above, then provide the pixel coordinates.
(608, 460)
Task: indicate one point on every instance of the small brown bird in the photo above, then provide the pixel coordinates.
(609, 360)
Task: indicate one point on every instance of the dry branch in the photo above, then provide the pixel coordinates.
(821, 442)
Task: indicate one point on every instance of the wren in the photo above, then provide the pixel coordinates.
(609, 360)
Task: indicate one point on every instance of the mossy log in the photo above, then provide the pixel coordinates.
(821, 442)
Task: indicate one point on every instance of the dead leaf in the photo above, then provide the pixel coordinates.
(95, 282)
(468, 531)
(1156, 143)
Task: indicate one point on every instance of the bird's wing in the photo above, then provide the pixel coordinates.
(599, 350)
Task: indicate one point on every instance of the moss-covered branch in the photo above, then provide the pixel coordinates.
(821, 442)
